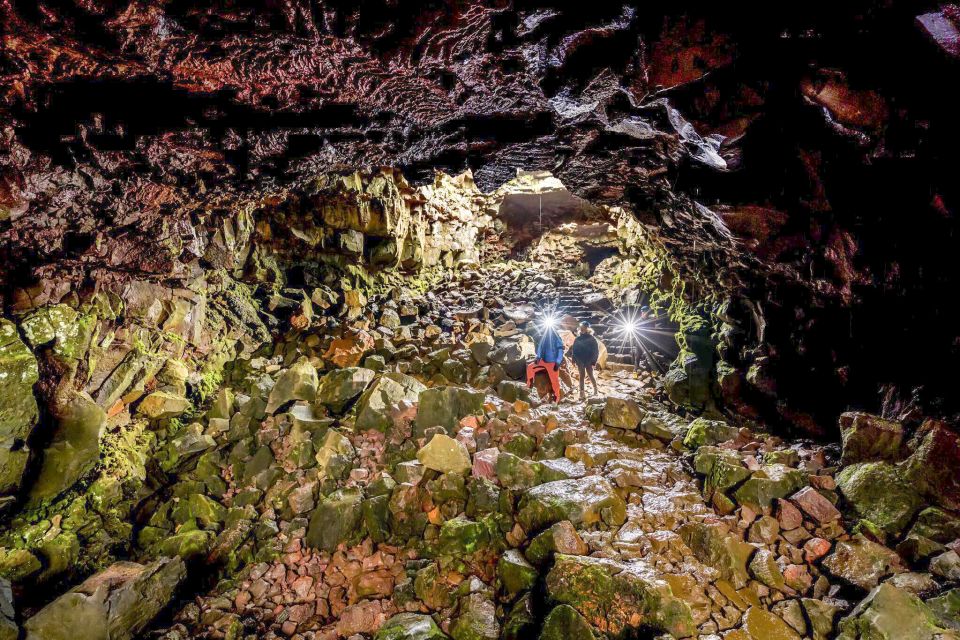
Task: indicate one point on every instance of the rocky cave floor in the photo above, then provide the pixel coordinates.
(390, 477)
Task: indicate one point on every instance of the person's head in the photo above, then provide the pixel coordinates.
(584, 327)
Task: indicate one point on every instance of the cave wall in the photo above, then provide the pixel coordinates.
(87, 365)
(797, 160)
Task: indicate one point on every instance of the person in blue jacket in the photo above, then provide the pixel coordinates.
(550, 349)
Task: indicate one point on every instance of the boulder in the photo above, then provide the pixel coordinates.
(862, 562)
(703, 431)
(584, 502)
(818, 508)
(375, 405)
(299, 382)
(410, 626)
(722, 468)
(946, 609)
(561, 537)
(512, 354)
(622, 413)
(564, 623)
(445, 406)
(162, 405)
(444, 454)
(338, 388)
(476, 619)
(760, 624)
(349, 350)
(115, 604)
(772, 481)
(336, 519)
(75, 447)
(18, 405)
(878, 492)
(461, 536)
(932, 467)
(867, 438)
(618, 598)
(8, 624)
(515, 574)
(889, 613)
(713, 544)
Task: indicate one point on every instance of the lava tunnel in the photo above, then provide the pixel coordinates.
(484, 320)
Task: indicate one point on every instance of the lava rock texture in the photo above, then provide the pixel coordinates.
(821, 137)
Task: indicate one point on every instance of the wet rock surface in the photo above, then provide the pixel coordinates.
(345, 502)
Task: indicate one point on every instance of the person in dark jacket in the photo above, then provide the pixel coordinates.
(585, 352)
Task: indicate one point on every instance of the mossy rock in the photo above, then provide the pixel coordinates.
(584, 502)
(18, 405)
(462, 536)
(878, 492)
(410, 626)
(618, 598)
(564, 623)
(772, 481)
(445, 406)
(336, 519)
(708, 432)
(187, 544)
(712, 544)
(889, 613)
(515, 573)
(340, 387)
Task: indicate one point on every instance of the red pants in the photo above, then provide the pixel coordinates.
(553, 374)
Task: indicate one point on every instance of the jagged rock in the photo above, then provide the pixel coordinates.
(618, 597)
(564, 623)
(462, 536)
(759, 624)
(476, 619)
(862, 562)
(512, 354)
(867, 438)
(946, 609)
(338, 388)
(946, 565)
(161, 405)
(763, 567)
(517, 473)
(721, 467)
(515, 573)
(374, 406)
(713, 544)
(937, 525)
(335, 456)
(815, 505)
(521, 621)
(430, 589)
(299, 382)
(933, 464)
(410, 626)
(75, 447)
(561, 537)
(116, 603)
(703, 432)
(16, 565)
(188, 544)
(8, 625)
(878, 492)
(18, 405)
(445, 406)
(444, 454)
(622, 413)
(349, 350)
(583, 502)
(888, 613)
(335, 520)
(821, 615)
(770, 482)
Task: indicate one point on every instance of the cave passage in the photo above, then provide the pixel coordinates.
(285, 287)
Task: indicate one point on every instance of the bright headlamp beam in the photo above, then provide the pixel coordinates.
(549, 321)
